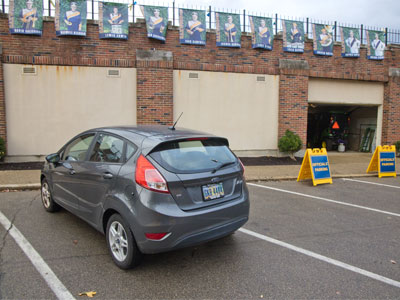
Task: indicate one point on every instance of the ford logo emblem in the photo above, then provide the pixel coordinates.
(215, 179)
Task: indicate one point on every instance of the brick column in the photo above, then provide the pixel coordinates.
(391, 109)
(154, 87)
(3, 128)
(293, 97)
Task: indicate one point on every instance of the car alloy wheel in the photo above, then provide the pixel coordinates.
(118, 241)
(46, 196)
(121, 243)
(47, 199)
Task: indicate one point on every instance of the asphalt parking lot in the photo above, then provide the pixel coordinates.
(331, 241)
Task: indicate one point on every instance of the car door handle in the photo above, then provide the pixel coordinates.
(72, 172)
(107, 175)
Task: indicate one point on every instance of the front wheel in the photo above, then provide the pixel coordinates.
(121, 244)
(47, 198)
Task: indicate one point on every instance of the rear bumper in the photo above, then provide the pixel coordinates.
(186, 228)
(211, 233)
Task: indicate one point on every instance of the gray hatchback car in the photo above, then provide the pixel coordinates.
(149, 189)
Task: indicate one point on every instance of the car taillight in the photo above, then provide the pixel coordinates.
(148, 176)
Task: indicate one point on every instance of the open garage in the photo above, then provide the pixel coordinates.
(332, 125)
(344, 115)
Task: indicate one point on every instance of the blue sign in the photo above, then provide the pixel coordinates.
(320, 167)
(387, 163)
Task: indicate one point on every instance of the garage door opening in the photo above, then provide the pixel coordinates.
(342, 127)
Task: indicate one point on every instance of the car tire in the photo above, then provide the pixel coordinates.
(47, 197)
(121, 243)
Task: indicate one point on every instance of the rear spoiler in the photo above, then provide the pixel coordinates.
(150, 143)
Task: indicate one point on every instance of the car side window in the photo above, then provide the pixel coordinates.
(77, 149)
(107, 149)
(130, 150)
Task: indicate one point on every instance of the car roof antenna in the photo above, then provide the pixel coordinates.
(173, 126)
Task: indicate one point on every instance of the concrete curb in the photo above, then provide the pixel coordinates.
(36, 186)
(286, 178)
(26, 186)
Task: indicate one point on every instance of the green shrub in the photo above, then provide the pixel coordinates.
(2, 148)
(290, 143)
(397, 145)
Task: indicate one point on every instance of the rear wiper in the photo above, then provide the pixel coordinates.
(222, 165)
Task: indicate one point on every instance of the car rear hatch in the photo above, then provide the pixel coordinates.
(200, 172)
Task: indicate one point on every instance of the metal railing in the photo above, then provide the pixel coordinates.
(392, 36)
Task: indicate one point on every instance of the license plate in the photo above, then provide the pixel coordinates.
(213, 191)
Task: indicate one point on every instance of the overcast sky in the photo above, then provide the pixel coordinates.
(379, 13)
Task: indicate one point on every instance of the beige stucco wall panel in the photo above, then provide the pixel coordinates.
(47, 109)
(345, 92)
(233, 105)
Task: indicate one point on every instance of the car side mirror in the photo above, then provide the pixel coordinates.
(53, 158)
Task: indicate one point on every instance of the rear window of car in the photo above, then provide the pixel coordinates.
(193, 156)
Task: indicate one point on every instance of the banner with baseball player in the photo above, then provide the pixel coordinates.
(228, 32)
(375, 45)
(70, 17)
(262, 34)
(26, 17)
(323, 39)
(192, 26)
(293, 36)
(156, 21)
(350, 42)
(113, 20)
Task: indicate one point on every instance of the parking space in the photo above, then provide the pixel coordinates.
(364, 235)
(354, 235)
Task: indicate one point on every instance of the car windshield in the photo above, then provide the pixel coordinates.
(193, 155)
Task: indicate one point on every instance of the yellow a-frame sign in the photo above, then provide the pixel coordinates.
(383, 161)
(315, 166)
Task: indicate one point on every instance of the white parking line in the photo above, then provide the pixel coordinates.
(327, 200)
(375, 183)
(48, 275)
(322, 258)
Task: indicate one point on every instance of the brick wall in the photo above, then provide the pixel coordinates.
(293, 106)
(157, 107)
(154, 93)
(91, 51)
(391, 111)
